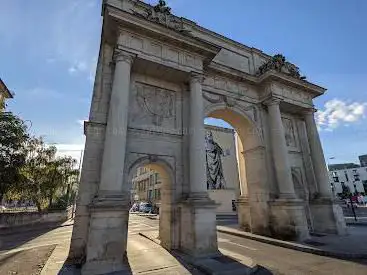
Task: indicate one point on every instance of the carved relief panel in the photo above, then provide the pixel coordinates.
(298, 183)
(291, 133)
(153, 108)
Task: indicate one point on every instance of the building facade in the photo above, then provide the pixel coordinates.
(158, 77)
(146, 186)
(342, 166)
(4, 95)
(354, 179)
(363, 160)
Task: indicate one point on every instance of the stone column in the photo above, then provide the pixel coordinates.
(198, 212)
(327, 217)
(108, 225)
(317, 156)
(198, 185)
(115, 139)
(280, 151)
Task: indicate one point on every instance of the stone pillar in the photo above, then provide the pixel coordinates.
(317, 156)
(198, 212)
(198, 184)
(327, 217)
(280, 151)
(115, 139)
(288, 216)
(108, 227)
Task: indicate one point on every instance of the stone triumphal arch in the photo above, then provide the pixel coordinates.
(158, 76)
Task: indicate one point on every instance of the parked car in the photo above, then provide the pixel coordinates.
(146, 207)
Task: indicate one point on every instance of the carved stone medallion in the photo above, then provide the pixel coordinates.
(155, 103)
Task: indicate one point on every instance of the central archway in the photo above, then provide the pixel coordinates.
(252, 205)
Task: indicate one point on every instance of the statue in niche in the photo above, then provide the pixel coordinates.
(214, 169)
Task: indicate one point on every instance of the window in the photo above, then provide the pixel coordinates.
(150, 195)
(151, 177)
(336, 179)
(356, 177)
(159, 194)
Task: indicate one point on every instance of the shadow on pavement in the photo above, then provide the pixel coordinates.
(13, 238)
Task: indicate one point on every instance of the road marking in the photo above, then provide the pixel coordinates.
(241, 245)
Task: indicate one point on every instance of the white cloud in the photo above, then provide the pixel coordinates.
(340, 113)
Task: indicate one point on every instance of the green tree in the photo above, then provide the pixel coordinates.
(13, 137)
(43, 175)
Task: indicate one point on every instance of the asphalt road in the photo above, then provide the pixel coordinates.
(277, 259)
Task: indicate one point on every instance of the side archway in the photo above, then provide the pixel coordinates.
(168, 234)
(251, 155)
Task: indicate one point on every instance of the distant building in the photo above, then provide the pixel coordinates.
(146, 186)
(341, 166)
(4, 95)
(363, 160)
(352, 179)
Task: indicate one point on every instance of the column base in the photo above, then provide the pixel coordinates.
(288, 220)
(199, 226)
(253, 216)
(107, 238)
(327, 217)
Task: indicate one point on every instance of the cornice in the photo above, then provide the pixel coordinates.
(291, 81)
(220, 129)
(156, 30)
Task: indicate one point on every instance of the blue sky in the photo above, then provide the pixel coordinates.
(48, 52)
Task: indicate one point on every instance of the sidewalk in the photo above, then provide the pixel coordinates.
(352, 246)
(144, 257)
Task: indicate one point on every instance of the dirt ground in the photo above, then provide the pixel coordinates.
(25, 262)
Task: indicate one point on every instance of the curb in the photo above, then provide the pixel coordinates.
(356, 223)
(295, 246)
